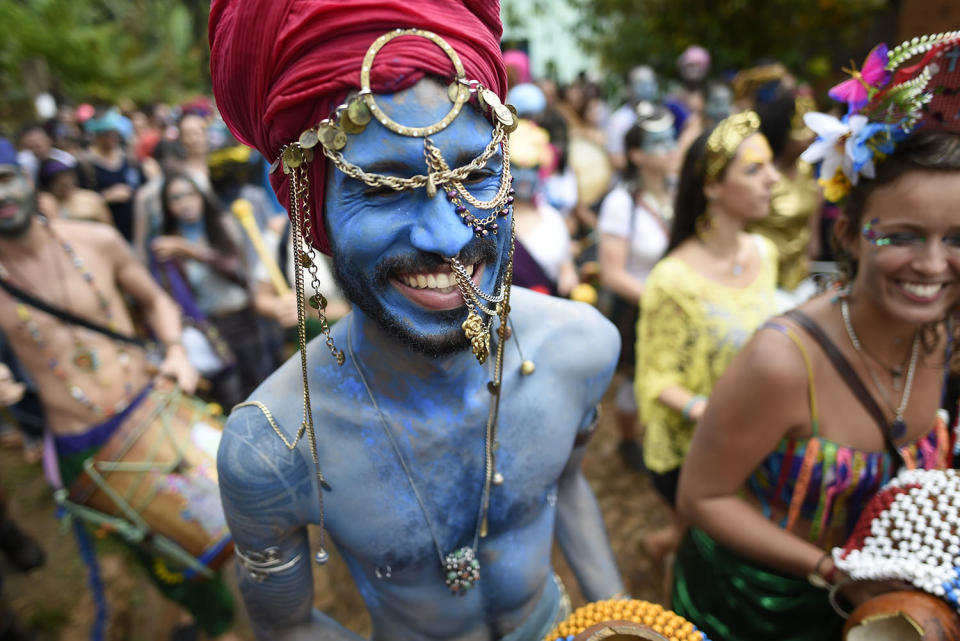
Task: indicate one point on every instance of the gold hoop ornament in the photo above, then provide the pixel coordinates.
(462, 94)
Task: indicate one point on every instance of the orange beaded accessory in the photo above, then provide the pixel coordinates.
(613, 616)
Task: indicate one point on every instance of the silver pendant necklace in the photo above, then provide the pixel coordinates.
(898, 429)
(461, 567)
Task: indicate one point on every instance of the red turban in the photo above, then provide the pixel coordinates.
(281, 66)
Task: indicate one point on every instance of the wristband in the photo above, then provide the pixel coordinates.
(696, 398)
(820, 580)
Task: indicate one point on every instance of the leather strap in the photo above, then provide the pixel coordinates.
(65, 315)
(847, 373)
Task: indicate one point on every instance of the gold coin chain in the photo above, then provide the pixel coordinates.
(414, 182)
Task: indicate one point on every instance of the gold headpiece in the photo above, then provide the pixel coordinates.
(725, 139)
(352, 117)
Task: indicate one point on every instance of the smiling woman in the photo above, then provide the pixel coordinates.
(823, 405)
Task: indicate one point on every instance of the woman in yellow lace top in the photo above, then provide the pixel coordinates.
(704, 300)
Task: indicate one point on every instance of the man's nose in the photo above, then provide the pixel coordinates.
(438, 228)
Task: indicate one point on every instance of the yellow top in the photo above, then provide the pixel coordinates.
(690, 328)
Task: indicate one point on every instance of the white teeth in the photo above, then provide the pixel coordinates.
(440, 280)
(920, 290)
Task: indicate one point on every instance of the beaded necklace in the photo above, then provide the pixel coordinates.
(83, 357)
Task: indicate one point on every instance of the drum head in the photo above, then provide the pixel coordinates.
(619, 630)
(908, 615)
(895, 626)
(592, 167)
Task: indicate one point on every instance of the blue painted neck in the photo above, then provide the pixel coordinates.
(387, 358)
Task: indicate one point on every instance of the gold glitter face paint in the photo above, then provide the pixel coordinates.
(755, 150)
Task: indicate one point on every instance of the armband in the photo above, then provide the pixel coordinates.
(260, 565)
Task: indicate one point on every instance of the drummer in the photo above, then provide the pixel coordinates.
(445, 523)
(87, 380)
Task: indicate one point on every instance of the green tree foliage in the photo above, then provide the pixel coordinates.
(143, 50)
(805, 35)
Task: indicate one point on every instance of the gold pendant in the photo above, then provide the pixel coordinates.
(478, 335)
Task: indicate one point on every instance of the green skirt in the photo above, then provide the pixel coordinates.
(733, 599)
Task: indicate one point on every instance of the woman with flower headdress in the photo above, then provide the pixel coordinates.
(826, 402)
(705, 298)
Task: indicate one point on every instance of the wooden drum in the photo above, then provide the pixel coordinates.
(155, 481)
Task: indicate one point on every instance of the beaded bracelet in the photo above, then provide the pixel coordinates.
(688, 406)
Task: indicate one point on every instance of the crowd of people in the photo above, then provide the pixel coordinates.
(139, 245)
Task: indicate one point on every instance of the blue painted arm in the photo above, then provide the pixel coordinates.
(267, 492)
(582, 535)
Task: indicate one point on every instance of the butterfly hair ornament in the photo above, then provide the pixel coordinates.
(887, 100)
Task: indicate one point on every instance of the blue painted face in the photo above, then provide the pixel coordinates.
(389, 246)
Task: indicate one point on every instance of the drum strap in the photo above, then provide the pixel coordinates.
(849, 376)
(66, 315)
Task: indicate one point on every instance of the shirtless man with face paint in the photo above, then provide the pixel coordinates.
(401, 426)
(88, 382)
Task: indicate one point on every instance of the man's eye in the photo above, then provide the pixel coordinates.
(374, 192)
(478, 176)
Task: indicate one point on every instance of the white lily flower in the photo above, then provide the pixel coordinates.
(827, 149)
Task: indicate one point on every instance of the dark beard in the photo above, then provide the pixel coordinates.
(17, 226)
(360, 293)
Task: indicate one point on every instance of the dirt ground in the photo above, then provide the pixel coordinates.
(55, 603)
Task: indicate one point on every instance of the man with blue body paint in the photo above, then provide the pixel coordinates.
(442, 482)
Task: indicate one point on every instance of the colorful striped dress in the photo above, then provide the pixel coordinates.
(815, 480)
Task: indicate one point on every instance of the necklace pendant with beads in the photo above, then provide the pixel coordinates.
(461, 570)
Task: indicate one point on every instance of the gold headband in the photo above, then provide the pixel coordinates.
(725, 139)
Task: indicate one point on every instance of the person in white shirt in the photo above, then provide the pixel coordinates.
(633, 223)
